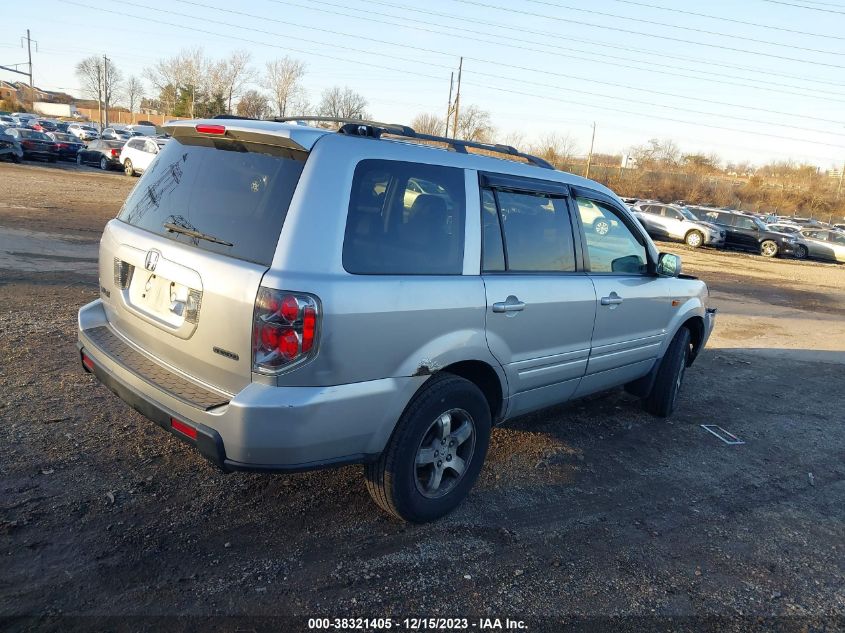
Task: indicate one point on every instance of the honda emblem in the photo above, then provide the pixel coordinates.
(151, 260)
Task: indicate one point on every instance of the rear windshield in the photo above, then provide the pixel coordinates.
(233, 191)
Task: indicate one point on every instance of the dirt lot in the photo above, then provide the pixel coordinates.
(592, 513)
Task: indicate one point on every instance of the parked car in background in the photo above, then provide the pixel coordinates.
(103, 153)
(85, 132)
(116, 134)
(254, 261)
(35, 144)
(749, 233)
(143, 128)
(10, 147)
(67, 144)
(61, 126)
(825, 244)
(139, 152)
(672, 222)
(839, 227)
(7, 121)
(47, 125)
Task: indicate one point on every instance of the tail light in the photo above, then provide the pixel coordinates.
(285, 330)
(115, 152)
(122, 273)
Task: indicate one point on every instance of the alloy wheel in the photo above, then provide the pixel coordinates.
(444, 453)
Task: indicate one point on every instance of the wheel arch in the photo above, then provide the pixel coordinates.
(483, 376)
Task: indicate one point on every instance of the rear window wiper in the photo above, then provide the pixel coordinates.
(175, 228)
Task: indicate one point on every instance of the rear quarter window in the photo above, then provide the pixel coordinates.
(405, 219)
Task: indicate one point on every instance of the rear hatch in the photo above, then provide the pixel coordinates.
(182, 263)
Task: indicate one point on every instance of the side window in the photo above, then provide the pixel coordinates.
(671, 213)
(536, 228)
(405, 219)
(492, 249)
(741, 222)
(617, 250)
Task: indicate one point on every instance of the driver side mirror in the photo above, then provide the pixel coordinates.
(668, 265)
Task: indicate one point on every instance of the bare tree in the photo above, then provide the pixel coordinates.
(100, 80)
(254, 105)
(557, 149)
(186, 76)
(283, 79)
(474, 124)
(133, 91)
(342, 103)
(429, 124)
(235, 73)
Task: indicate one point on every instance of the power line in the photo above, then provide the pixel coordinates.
(516, 67)
(731, 20)
(405, 72)
(620, 110)
(654, 35)
(627, 48)
(682, 28)
(801, 6)
(653, 68)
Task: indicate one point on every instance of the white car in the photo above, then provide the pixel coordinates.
(139, 152)
(84, 132)
(669, 221)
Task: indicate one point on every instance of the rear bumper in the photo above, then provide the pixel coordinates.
(263, 427)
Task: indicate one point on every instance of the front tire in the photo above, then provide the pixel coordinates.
(769, 248)
(79, 159)
(435, 453)
(694, 239)
(104, 164)
(670, 376)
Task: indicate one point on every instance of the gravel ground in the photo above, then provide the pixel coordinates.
(592, 514)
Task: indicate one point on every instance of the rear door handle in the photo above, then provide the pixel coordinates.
(613, 300)
(511, 304)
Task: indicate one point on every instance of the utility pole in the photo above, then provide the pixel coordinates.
(590, 156)
(449, 105)
(29, 55)
(839, 188)
(105, 90)
(457, 99)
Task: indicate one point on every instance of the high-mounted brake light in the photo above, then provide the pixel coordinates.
(211, 129)
(285, 329)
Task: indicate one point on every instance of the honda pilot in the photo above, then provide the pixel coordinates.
(283, 297)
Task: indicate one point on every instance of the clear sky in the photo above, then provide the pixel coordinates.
(754, 80)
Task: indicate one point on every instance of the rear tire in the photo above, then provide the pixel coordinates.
(16, 159)
(801, 252)
(404, 481)
(104, 164)
(694, 239)
(128, 169)
(769, 248)
(670, 376)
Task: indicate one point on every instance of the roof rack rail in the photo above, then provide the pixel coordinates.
(374, 129)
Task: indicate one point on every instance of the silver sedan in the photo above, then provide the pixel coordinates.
(825, 244)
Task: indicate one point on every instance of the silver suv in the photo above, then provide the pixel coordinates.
(285, 298)
(675, 222)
